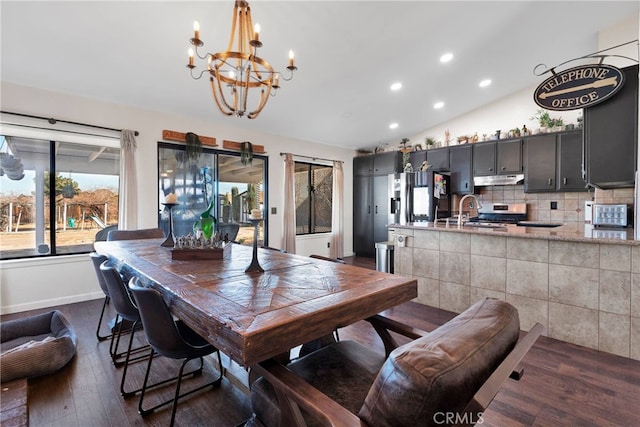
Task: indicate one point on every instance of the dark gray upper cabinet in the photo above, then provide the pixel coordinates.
(438, 158)
(553, 162)
(570, 162)
(509, 157)
(484, 158)
(460, 160)
(611, 136)
(363, 165)
(497, 157)
(540, 167)
(386, 163)
(416, 158)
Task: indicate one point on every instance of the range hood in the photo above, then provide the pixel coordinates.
(480, 181)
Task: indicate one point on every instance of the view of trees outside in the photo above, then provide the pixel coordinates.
(80, 213)
(314, 195)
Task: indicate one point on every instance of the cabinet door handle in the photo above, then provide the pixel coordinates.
(550, 181)
(490, 169)
(564, 181)
(503, 168)
(466, 185)
(368, 209)
(376, 209)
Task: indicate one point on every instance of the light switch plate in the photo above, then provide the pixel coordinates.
(274, 211)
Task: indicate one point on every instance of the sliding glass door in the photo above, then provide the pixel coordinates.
(234, 188)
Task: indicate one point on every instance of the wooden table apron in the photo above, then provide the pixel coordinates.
(254, 316)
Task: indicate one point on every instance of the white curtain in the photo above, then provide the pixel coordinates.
(128, 205)
(337, 223)
(289, 214)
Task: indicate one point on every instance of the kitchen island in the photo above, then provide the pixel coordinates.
(584, 290)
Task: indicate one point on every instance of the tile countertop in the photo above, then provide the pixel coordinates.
(572, 233)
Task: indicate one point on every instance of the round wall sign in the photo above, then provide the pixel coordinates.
(579, 87)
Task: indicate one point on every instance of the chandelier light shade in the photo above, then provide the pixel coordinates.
(241, 81)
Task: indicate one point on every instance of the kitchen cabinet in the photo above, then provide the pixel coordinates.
(416, 158)
(553, 162)
(611, 136)
(540, 167)
(370, 199)
(438, 158)
(460, 165)
(570, 162)
(497, 157)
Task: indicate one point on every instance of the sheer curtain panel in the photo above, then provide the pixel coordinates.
(289, 226)
(128, 208)
(337, 223)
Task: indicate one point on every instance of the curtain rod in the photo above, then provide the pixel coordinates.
(313, 158)
(53, 121)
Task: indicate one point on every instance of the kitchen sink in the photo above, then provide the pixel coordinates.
(539, 224)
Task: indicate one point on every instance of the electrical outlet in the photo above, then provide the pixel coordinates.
(274, 211)
(328, 244)
(554, 205)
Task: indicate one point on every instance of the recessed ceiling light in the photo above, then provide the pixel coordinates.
(396, 86)
(438, 105)
(393, 125)
(485, 83)
(446, 57)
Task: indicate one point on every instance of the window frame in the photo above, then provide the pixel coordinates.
(54, 137)
(311, 196)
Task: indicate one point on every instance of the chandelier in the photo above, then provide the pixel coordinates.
(239, 77)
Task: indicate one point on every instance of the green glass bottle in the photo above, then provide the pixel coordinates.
(206, 223)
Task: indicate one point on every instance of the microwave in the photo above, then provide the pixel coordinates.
(610, 215)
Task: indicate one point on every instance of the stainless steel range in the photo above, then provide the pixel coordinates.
(501, 213)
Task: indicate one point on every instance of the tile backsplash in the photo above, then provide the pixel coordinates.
(569, 205)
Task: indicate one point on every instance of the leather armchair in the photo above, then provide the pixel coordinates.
(448, 376)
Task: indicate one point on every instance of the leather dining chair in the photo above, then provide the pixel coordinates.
(97, 261)
(453, 372)
(127, 310)
(169, 338)
(143, 233)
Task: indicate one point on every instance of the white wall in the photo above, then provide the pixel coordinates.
(48, 285)
(515, 110)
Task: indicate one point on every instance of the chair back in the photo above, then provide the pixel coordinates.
(118, 293)
(158, 323)
(144, 233)
(441, 372)
(97, 260)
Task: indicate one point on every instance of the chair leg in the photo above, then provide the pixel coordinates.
(98, 336)
(215, 383)
(113, 349)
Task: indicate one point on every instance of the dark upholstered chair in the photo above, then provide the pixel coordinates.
(452, 373)
(127, 310)
(144, 233)
(169, 338)
(35, 345)
(97, 260)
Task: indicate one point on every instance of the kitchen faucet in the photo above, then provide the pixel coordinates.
(478, 205)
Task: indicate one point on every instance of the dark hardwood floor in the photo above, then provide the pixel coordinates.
(563, 385)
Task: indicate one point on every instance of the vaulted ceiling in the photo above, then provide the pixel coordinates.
(348, 54)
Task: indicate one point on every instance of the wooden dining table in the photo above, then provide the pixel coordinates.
(255, 316)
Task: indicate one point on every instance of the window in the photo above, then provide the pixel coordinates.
(314, 195)
(217, 176)
(55, 195)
